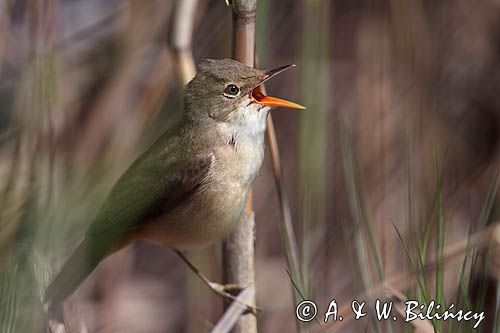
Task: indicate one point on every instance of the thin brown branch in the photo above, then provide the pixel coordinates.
(272, 144)
(290, 241)
(286, 215)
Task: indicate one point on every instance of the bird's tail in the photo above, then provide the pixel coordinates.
(79, 265)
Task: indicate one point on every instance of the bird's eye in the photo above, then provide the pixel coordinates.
(231, 91)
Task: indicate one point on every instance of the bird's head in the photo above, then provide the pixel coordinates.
(228, 91)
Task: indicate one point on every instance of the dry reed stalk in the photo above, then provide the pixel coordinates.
(230, 317)
(291, 246)
(180, 38)
(272, 144)
(238, 249)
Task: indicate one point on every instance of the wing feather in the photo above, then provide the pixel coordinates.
(159, 180)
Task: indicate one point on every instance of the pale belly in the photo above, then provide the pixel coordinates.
(216, 207)
(209, 215)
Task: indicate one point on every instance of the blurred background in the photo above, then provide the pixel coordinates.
(391, 171)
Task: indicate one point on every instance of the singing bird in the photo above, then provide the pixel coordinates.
(189, 188)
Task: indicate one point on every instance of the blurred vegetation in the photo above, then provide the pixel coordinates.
(391, 171)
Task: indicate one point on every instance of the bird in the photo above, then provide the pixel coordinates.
(189, 188)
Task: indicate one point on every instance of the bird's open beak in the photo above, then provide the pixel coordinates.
(258, 95)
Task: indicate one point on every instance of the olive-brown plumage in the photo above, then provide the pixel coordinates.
(189, 188)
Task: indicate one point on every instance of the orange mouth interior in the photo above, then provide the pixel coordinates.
(259, 97)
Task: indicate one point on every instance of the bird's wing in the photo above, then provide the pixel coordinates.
(163, 177)
(160, 179)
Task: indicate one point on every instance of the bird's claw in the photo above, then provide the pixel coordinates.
(232, 288)
(226, 291)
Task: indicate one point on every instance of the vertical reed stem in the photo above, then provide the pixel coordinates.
(238, 249)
